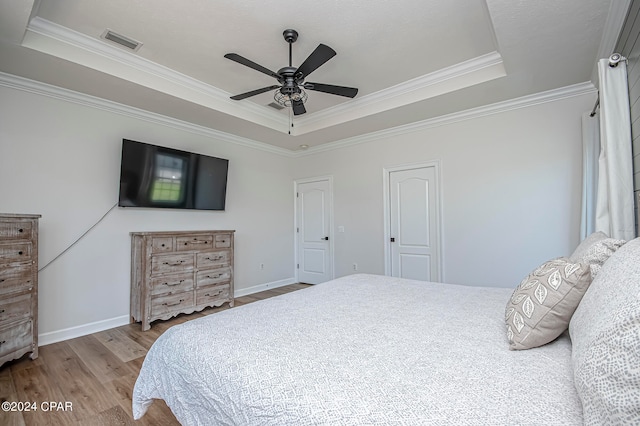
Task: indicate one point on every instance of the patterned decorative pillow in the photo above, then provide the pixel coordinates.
(595, 250)
(605, 335)
(541, 306)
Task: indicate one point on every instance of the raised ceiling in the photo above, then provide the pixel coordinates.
(412, 60)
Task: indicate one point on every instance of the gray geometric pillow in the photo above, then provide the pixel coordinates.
(605, 335)
(541, 306)
(595, 250)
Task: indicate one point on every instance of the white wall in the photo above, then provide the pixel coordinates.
(511, 185)
(62, 160)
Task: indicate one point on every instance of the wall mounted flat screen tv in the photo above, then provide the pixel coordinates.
(155, 176)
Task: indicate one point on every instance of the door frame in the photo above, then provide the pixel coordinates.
(296, 259)
(386, 171)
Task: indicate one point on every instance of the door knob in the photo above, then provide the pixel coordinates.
(326, 238)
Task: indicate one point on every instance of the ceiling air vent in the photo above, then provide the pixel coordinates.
(121, 40)
(275, 106)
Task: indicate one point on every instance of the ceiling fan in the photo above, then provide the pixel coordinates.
(292, 80)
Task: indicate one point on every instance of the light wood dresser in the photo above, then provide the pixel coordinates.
(179, 272)
(18, 286)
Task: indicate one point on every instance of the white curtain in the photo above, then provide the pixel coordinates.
(614, 204)
(590, 154)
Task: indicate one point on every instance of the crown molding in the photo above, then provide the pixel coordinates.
(54, 39)
(464, 74)
(44, 89)
(469, 114)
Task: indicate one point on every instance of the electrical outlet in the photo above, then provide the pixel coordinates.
(355, 266)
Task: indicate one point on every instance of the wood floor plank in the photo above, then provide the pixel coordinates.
(80, 386)
(121, 344)
(103, 363)
(8, 393)
(36, 385)
(142, 338)
(246, 299)
(96, 374)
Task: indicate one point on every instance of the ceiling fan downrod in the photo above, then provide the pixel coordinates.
(290, 37)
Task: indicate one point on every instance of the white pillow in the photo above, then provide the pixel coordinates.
(605, 333)
(595, 250)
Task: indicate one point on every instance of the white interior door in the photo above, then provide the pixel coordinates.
(413, 228)
(313, 225)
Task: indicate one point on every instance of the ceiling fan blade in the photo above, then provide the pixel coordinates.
(318, 57)
(246, 62)
(349, 92)
(298, 107)
(253, 93)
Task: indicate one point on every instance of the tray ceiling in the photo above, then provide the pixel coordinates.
(411, 60)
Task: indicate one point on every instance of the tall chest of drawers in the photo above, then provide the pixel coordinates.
(179, 272)
(18, 286)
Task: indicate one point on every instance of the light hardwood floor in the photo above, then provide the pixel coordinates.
(93, 375)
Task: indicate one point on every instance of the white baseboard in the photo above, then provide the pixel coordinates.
(81, 330)
(262, 287)
(95, 327)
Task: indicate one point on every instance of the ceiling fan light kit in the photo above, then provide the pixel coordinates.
(291, 88)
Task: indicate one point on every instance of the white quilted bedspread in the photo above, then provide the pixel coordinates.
(360, 350)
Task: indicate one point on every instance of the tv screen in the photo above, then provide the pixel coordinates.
(155, 176)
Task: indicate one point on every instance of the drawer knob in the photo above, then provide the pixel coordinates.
(20, 252)
(3, 342)
(2, 311)
(20, 230)
(214, 294)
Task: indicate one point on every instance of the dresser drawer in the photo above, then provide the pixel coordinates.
(214, 276)
(15, 307)
(170, 284)
(15, 230)
(207, 295)
(213, 259)
(161, 244)
(161, 305)
(15, 252)
(163, 264)
(194, 242)
(223, 240)
(15, 337)
(168, 269)
(15, 277)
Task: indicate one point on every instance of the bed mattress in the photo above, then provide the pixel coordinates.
(360, 350)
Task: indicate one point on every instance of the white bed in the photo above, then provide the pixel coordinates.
(360, 350)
